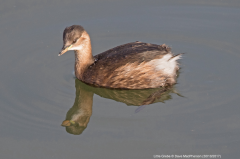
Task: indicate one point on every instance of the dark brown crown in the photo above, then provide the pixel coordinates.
(72, 32)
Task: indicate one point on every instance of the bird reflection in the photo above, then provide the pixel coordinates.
(78, 116)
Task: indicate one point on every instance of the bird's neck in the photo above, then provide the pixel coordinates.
(83, 57)
(82, 108)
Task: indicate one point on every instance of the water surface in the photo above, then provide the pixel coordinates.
(38, 88)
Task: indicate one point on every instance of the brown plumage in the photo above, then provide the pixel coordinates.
(134, 65)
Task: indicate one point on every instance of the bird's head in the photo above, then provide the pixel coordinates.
(73, 38)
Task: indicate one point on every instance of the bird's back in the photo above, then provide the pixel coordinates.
(130, 66)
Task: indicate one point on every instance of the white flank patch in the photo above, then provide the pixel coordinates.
(168, 66)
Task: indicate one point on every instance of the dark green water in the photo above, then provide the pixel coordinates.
(38, 87)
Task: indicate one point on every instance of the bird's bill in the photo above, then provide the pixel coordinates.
(64, 49)
(67, 123)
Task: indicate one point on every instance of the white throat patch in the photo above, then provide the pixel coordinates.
(79, 47)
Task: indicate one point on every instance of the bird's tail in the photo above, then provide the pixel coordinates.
(176, 57)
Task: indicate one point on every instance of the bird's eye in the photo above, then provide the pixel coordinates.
(75, 41)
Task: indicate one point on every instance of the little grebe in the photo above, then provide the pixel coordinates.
(134, 65)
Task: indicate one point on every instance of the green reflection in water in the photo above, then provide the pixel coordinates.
(78, 116)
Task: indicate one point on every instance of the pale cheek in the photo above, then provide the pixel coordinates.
(79, 47)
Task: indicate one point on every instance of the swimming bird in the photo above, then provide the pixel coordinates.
(134, 65)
